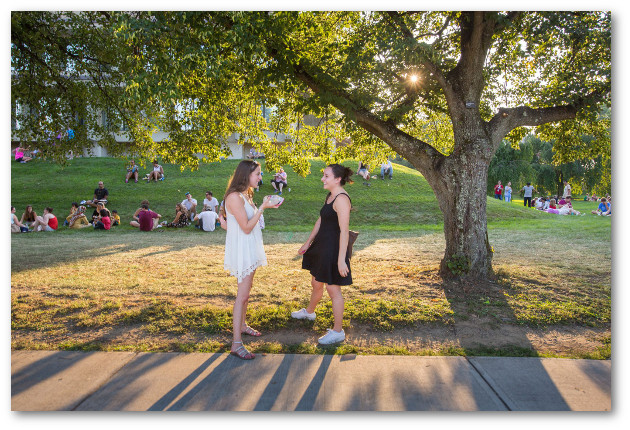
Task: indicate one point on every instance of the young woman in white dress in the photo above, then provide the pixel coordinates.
(244, 251)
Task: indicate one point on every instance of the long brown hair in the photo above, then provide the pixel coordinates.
(239, 182)
(182, 208)
(29, 215)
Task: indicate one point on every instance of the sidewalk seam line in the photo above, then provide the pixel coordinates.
(488, 383)
(87, 396)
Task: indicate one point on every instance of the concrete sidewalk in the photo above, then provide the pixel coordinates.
(117, 381)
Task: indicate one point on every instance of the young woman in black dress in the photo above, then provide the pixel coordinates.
(324, 253)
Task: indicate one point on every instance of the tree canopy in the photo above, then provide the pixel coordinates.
(200, 76)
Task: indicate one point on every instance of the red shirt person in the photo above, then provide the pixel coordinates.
(498, 188)
(146, 219)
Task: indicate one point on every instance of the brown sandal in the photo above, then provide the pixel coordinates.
(250, 331)
(242, 353)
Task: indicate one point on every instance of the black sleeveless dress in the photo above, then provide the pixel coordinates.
(321, 257)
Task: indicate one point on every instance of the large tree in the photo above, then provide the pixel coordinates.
(382, 79)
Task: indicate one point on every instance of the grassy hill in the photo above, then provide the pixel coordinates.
(404, 203)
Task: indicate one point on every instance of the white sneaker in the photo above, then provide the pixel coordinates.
(302, 314)
(332, 337)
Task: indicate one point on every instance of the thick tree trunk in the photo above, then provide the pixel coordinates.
(462, 198)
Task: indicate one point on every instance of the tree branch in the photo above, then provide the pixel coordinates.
(431, 67)
(508, 119)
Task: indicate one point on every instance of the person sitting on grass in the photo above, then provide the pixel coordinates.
(279, 180)
(181, 217)
(16, 225)
(78, 219)
(132, 171)
(603, 209)
(134, 217)
(546, 205)
(104, 222)
(568, 210)
(564, 200)
(20, 156)
(97, 212)
(387, 169)
(364, 173)
(210, 203)
(147, 220)
(191, 205)
(207, 220)
(157, 174)
(29, 216)
(115, 218)
(47, 222)
(100, 196)
(73, 208)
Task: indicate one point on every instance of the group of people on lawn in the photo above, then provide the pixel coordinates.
(157, 174)
(363, 170)
(186, 211)
(555, 205)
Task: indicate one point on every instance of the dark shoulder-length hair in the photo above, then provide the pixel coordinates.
(239, 182)
(345, 173)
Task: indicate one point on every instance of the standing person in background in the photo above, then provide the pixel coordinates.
(498, 188)
(567, 190)
(528, 192)
(244, 251)
(507, 192)
(324, 253)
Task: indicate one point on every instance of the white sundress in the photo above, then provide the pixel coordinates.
(244, 253)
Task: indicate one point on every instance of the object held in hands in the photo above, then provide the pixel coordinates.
(276, 200)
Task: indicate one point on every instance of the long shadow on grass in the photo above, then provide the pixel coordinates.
(519, 373)
(111, 247)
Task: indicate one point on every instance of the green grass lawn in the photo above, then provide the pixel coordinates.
(167, 290)
(404, 203)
